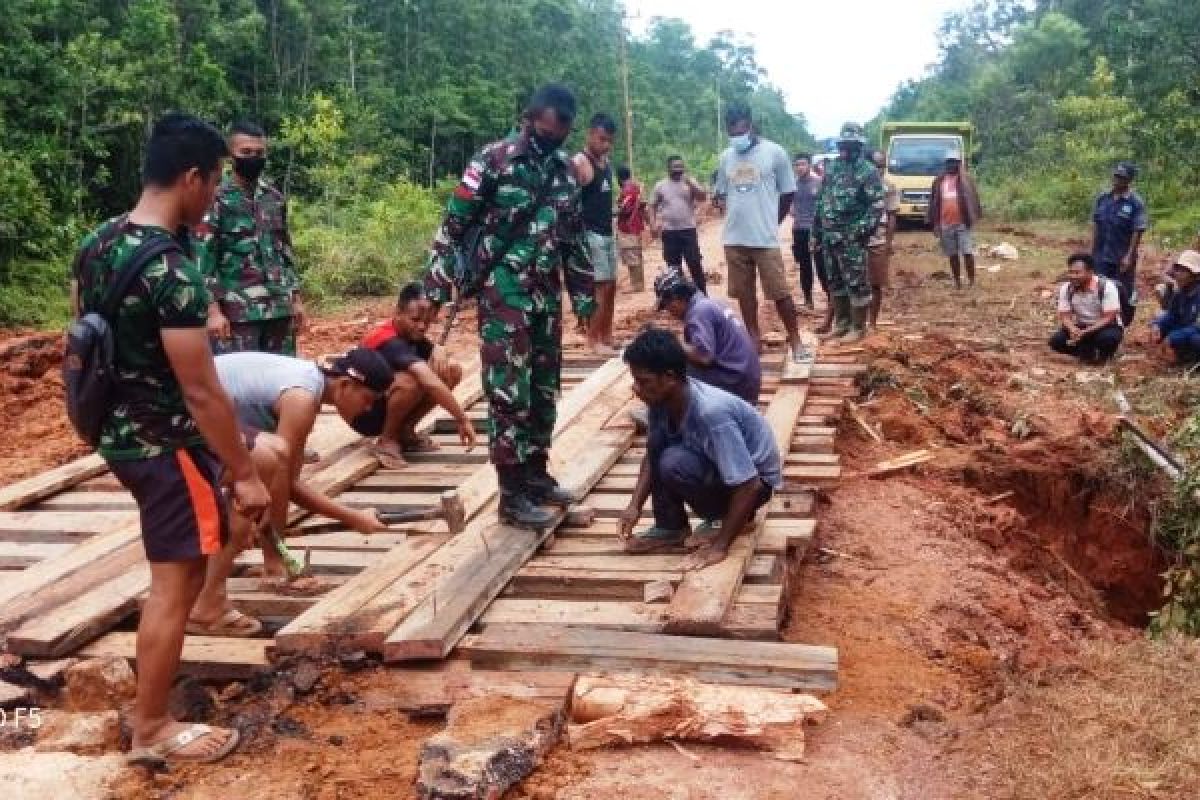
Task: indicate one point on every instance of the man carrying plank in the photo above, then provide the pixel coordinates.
(277, 400)
(425, 377)
(706, 449)
(169, 430)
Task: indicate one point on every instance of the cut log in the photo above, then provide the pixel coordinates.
(705, 596)
(490, 744)
(628, 709)
(782, 665)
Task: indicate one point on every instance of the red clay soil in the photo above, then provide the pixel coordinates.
(952, 590)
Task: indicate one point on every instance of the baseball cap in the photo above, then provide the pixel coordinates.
(1125, 170)
(1189, 260)
(666, 283)
(365, 366)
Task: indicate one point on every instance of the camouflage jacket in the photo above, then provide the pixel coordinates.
(149, 417)
(851, 201)
(244, 250)
(500, 181)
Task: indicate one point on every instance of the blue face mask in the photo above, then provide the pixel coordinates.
(742, 142)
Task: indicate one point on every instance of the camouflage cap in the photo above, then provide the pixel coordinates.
(853, 132)
(666, 284)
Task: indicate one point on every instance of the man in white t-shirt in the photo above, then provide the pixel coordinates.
(1089, 309)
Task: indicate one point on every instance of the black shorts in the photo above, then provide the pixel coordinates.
(371, 421)
(183, 512)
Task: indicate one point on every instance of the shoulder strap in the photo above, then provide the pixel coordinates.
(146, 252)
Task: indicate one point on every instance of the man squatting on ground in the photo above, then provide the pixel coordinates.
(706, 450)
(719, 351)
(673, 218)
(171, 437)
(755, 185)
(520, 321)
(1176, 327)
(425, 377)
(848, 211)
(1089, 310)
(594, 170)
(244, 250)
(277, 400)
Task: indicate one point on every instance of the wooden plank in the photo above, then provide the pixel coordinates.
(362, 613)
(89, 501)
(705, 596)
(43, 485)
(533, 581)
(580, 458)
(217, 658)
(821, 370)
(19, 555)
(82, 619)
(60, 526)
(751, 620)
(788, 666)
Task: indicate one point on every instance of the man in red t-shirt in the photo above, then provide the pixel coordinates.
(425, 377)
(631, 223)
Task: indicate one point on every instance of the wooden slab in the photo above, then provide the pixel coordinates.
(43, 485)
(218, 658)
(60, 526)
(789, 666)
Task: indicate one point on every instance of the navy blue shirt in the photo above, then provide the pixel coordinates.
(1181, 314)
(714, 330)
(1117, 219)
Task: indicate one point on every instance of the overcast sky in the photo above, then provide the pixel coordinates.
(835, 60)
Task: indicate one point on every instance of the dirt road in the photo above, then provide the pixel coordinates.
(980, 603)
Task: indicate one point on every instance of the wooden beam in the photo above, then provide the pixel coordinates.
(787, 666)
(705, 596)
(582, 454)
(219, 658)
(362, 613)
(44, 484)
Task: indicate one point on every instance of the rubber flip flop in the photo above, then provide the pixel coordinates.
(301, 586)
(169, 749)
(703, 534)
(423, 443)
(653, 539)
(232, 623)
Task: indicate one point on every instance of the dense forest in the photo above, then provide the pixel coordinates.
(371, 104)
(1059, 90)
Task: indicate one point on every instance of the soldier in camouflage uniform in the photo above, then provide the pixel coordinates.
(523, 192)
(170, 436)
(848, 211)
(245, 253)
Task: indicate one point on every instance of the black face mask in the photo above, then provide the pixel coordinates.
(249, 167)
(543, 144)
(676, 174)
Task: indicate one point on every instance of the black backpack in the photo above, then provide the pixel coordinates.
(1127, 307)
(89, 363)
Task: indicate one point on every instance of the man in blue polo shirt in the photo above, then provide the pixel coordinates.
(1118, 223)
(706, 449)
(719, 350)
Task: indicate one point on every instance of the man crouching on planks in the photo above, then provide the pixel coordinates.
(706, 449)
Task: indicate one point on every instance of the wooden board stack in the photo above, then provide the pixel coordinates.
(566, 598)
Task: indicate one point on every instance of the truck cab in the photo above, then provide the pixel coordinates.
(916, 152)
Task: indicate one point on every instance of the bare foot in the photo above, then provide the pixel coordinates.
(706, 556)
(389, 455)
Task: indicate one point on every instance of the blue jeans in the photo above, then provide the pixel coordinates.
(681, 478)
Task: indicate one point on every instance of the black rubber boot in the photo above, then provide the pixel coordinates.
(517, 507)
(542, 487)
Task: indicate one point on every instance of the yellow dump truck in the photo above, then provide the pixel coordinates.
(915, 154)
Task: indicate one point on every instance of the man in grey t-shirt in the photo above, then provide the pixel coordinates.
(673, 216)
(755, 186)
(706, 449)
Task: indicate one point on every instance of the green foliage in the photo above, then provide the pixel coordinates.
(365, 101)
(1060, 90)
(1177, 530)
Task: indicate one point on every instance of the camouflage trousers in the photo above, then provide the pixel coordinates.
(276, 336)
(846, 272)
(521, 356)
